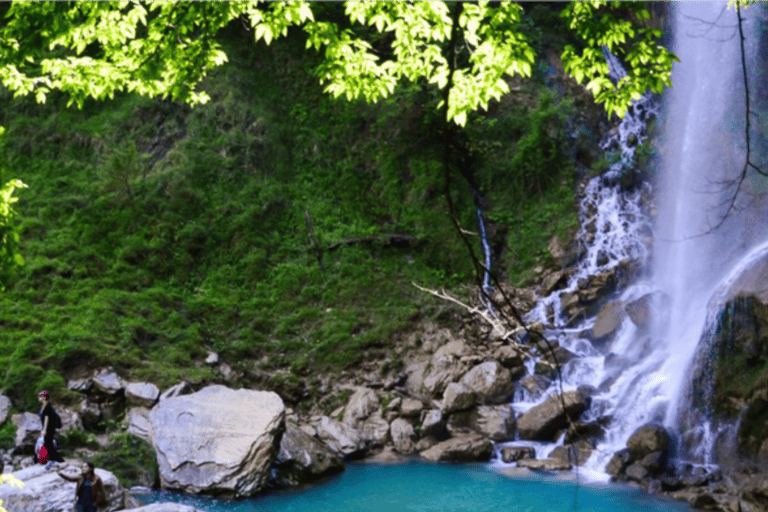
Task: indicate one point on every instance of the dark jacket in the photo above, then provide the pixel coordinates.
(97, 489)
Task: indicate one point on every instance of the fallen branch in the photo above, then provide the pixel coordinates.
(498, 328)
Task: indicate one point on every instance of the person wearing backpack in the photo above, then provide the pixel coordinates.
(51, 421)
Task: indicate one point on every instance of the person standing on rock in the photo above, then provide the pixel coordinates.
(51, 421)
(90, 489)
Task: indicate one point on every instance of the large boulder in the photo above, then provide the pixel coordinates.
(607, 322)
(491, 381)
(340, 437)
(646, 439)
(542, 422)
(469, 448)
(143, 394)
(217, 440)
(302, 458)
(46, 491)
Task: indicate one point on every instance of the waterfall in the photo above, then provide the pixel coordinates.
(643, 375)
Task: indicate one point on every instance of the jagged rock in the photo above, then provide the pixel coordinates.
(442, 371)
(139, 424)
(340, 437)
(458, 397)
(180, 389)
(90, 414)
(646, 439)
(414, 377)
(217, 440)
(516, 453)
(460, 449)
(5, 405)
(303, 458)
(433, 424)
(618, 462)
(359, 406)
(403, 436)
(108, 382)
(375, 430)
(46, 491)
(636, 472)
(28, 429)
(543, 421)
(142, 393)
(494, 422)
(411, 407)
(563, 355)
(80, 385)
(491, 381)
(553, 282)
(544, 464)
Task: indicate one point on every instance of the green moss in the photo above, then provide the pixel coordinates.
(132, 460)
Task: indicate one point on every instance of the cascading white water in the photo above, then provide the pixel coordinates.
(702, 152)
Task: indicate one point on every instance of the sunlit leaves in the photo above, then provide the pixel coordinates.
(610, 25)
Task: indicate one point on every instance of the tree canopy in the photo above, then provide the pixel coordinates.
(165, 49)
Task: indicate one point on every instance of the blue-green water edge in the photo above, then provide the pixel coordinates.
(422, 487)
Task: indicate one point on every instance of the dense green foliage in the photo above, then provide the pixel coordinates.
(154, 233)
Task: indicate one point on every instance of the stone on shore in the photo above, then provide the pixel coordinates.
(45, 491)
(217, 440)
(303, 458)
(472, 448)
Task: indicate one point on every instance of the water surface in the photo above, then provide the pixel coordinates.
(423, 487)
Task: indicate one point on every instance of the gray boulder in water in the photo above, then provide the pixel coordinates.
(217, 440)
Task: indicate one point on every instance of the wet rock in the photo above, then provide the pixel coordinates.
(543, 421)
(458, 397)
(491, 381)
(303, 458)
(646, 439)
(494, 422)
(470, 448)
(534, 386)
(640, 311)
(509, 356)
(607, 322)
(636, 472)
(515, 453)
(573, 454)
(619, 461)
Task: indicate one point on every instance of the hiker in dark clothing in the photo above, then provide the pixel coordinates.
(51, 421)
(90, 489)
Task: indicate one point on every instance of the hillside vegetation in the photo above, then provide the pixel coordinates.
(258, 225)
